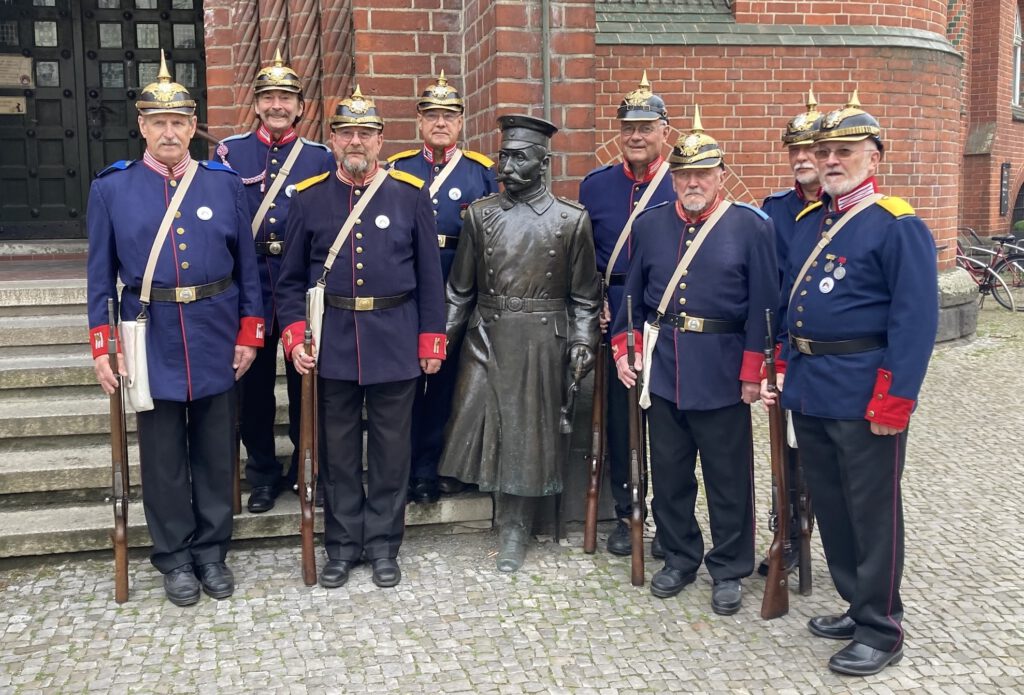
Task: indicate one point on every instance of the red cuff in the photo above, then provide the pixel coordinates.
(250, 333)
(780, 366)
(886, 409)
(752, 366)
(619, 344)
(433, 346)
(291, 336)
(98, 340)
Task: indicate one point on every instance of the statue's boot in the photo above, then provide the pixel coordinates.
(512, 551)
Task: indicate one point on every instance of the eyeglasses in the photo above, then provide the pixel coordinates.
(434, 116)
(845, 152)
(347, 134)
(646, 130)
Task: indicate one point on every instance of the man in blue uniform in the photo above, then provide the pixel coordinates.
(704, 270)
(271, 160)
(862, 312)
(454, 178)
(612, 195)
(783, 207)
(205, 322)
(383, 325)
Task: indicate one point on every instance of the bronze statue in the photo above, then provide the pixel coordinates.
(523, 297)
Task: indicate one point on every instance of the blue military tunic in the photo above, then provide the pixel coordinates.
(733, 277)
(391, 250)
(609, 194)
(190, 346)
(472, 179)
(258, 160)
(876, 278)
(783, 207)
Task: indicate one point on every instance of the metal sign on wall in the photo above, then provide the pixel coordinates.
(1004, 189)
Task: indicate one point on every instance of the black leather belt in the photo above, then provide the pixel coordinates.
(366, 303)
(617, 279)
(837, 347)
(269, 248)
(184, 295)
(445, 241)
(524, 304)
(695, 324)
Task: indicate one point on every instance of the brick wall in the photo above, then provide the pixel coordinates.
(925, 15)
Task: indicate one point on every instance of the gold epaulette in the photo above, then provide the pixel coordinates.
(897, 207)
(311, 181)
(403, 155)
(813, 206)
(406, 177)
(478, 158)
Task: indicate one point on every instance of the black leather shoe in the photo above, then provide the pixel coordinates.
(424, 491)
(335, 573)
(261, 499)
(450, 486)
(832, 626)
(386, 572)
(512, 541)
(856, 659)
(726, 596)
(657, 551)
(668, 581)
(791, 561)
(181, 586)
(217, 580)
(619, 540)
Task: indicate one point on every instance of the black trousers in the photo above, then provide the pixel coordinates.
(430, 412)
(724, 441)
(373, 521)
(186, 452)
(259, 410)
(854, 479)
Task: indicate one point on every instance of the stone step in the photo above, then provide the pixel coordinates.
(43, 297)
(46, 330)
(48, 530)
(77, 468)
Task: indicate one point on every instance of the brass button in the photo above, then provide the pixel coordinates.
(272, 220)
(358, 192)
(434, 201)
(871, 413)
(682, 300)
(273, 161)
(684, 273)
(184, 265)
(273, 176)
(174, 184)
(635, 203)
(273, 236)
(879, 396)
(275, 149)
(273, 205)
(177, 214)
(180, 231)
(359, 282)
(807, 279)
(182, 247)
(358, 221)
(359, 249)
(682, 285)
(814, 265)
(359, 235)
(828, 221)
(359, 266)
(800, 308)
(799, 324)
(691, 230)
(886, 377)
(803, 293)
(435, 213)
(689, 241)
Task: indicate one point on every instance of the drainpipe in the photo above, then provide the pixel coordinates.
(545, 57)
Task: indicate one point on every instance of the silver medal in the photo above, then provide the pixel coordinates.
(826, 285)
(829, 266)
(382, 222)
(454, 193)
(840, 273)
(204, 213)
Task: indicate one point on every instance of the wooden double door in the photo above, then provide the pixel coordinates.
(70, 72)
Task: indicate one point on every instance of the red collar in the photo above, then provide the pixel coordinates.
(346, 179)
(652, 169)
(685, 216)
(175, 172)
(848, 200)
(800, 192)
(267, 139)
(449, 152)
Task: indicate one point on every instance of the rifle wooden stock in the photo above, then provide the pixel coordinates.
(119, 467)
(596, 461)
(636, 460)
(776, 588)
(806, 518)
(307, 473)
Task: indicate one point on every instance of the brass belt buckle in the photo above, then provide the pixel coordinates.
(364, 303)
(184, 295)
(274, 248)
(803, 345)
(694, 324)
(441, 239)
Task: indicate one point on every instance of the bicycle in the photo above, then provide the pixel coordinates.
(1002, 276)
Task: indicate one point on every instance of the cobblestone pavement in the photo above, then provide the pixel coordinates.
(569, 622)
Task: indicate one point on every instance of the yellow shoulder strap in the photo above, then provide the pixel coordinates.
(478, 158)
(813, 206)
(311, 181)
(407, 178)
(402, 155)
(897, 207)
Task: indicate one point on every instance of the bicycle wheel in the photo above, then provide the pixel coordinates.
(1009, 291)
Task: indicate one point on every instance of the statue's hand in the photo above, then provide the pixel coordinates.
(581, 358)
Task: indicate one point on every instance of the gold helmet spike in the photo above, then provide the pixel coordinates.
(642, 104)
(165, 95)
(277, 76)
(440, 95)
(812, 101)
(644, 82)
(801, 129)
(164, 75)
(696, 149)
(698, 127)
(278, 60)
(854, 102)
(357, 110)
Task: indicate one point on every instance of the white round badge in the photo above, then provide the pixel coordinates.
(289, 190)
(204, 213)
(382, 222)
(826, 285)
(454, 193)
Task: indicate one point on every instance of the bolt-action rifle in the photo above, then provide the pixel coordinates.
(637, 457)
(776, 588)
(119, 464)
(597, 441)
(309, 465)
